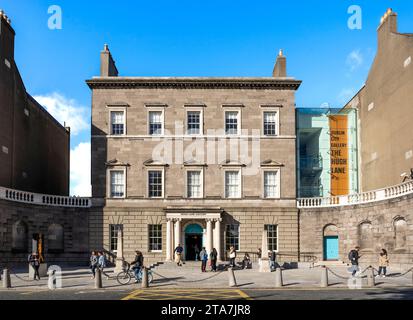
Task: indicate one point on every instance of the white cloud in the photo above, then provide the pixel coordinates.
(354, 59)
(80, 184)
(66, 111)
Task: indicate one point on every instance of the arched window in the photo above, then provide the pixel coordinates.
(400, 230)
(19, 237)
(365, 234)
(55, 238)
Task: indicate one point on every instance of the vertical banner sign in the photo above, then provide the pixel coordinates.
(339, 155)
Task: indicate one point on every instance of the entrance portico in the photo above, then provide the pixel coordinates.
(181, 223)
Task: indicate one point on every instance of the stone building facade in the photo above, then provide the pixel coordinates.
(385, 109)
(372, 226)
(34, 147)
(65, 232)
(169, 164)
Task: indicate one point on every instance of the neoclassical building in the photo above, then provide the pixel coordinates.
(194, 161)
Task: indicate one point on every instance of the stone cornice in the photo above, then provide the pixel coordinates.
(194, 83)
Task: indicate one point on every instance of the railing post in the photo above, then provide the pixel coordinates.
(324, 277)
(231, 276)
(278, 278)
(6, 279)
(145, 283)
(98, 279)
(370, 277)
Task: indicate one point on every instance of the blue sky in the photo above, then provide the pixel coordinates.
(192, 38)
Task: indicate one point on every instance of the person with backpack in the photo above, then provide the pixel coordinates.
(203, 255)
(213, 259)
(383, 263)
(354, 257)
(137, 264)
(178, 255)
(35, 264)
(93, 263)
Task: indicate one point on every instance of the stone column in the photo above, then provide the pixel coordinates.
(119, 252)
(177, 232)
(265, 263)
(169, 240)
(209, 236)
(217, 238)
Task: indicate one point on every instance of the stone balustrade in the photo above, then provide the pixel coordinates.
(43, 199)
(360, 198)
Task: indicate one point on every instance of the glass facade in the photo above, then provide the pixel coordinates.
(327, 152)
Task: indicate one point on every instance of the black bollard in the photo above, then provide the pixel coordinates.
(98, 279)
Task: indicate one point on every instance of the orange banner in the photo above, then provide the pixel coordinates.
(339, 155)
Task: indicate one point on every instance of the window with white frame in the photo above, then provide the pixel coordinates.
(232, 122)
(155, 183)
(232, 236)
(155, 123)
(155, 237)
(193, 122)
(271, 184)
(194, 184)
(117, 183)
(270, 123)
(113, 233)
(117, 120)
(272, 236)
(232, 184)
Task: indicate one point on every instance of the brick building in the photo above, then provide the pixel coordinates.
(169, 164)
(34, 147)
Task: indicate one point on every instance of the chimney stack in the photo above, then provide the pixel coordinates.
(280, 68)
(388, 25)
(107, 64)
(7, 35)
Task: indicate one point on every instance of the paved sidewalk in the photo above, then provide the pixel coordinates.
(191, 277)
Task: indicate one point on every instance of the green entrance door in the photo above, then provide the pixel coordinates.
(331, 248)
(193, 241)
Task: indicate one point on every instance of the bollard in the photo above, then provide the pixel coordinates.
(145, 283)
(324, 277)
(412, 277)
(98, 279)
(278, 278)
(232, 280)
(370, 278)
(51, 283)
(6, 279)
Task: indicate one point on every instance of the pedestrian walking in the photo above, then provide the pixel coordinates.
(232, 256)
(94, 260)
(213, 256)
(354, 257)
(35, 263)
(178, 255)
(204, 259)
(137, 264)
(273, 258)
(383, 263)
(102, 263)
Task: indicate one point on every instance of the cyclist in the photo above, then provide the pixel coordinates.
(138, 264)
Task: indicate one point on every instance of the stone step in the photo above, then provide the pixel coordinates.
(330, 263)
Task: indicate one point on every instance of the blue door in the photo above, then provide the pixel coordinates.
(331, 248)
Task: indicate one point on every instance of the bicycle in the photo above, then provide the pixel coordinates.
(125, 277)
